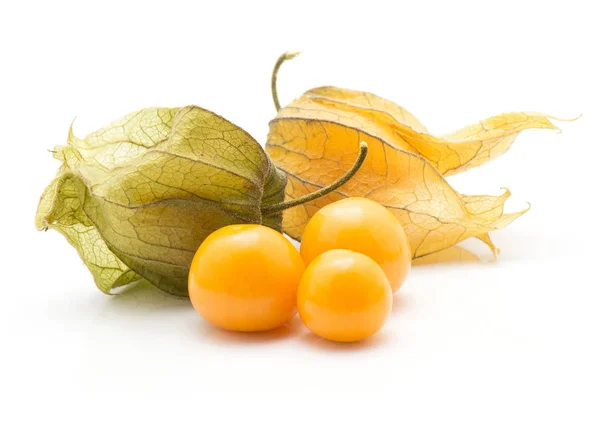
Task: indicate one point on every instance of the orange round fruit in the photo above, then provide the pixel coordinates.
(364, 226)
(344, 296)
(245, 278)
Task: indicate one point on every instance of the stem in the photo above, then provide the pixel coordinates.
(284, 57)
(362, 154)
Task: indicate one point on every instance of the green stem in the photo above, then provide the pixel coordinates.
(284, 57)
(362, 154)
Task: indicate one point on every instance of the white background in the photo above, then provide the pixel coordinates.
(511, 342)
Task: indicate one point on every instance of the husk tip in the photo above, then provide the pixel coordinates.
(71, 135)
(507, 193)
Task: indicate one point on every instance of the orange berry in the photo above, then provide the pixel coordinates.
(245, 278)
(364, 226)
(344, 296)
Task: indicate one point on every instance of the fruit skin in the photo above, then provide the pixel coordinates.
(245, 278)
(344, 296)
(364, 226)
